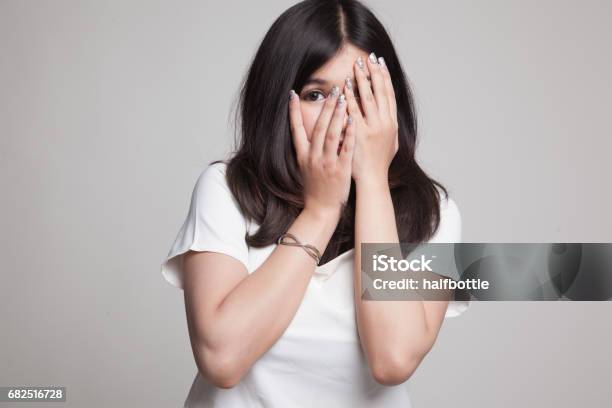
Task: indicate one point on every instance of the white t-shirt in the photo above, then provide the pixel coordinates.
(318, 361)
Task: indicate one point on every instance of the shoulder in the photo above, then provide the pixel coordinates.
(212, 177)
(215, 170)
(449, 207)
(211, 193)
(450, 227)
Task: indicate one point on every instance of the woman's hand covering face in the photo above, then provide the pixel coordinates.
(325, 168)
(376, 129)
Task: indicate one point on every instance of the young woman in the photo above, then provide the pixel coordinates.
(326, 154)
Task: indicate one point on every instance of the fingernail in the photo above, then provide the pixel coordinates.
(360, 63)
(341, 99)
(373, 58)
(349, 83)
(291, 94)
(335, 90)
(349, 120)
(381, 61)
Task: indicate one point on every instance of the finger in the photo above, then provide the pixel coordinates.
(345, 158)
(298, 133)
(389, 87)
(332, 139)
(378, 86)
(351, 101)
(368, 103)
(320, 129)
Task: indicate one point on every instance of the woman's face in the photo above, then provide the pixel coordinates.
(319, 85)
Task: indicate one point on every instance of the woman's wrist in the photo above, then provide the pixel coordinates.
(372, 181)
(324, 214)
(315, 226)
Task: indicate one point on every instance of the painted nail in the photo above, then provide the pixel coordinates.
(335, 91)
(373, 58)
(292, 94)
(341, 100)
(349, 83)
(360, 63)
(381, 61)
(349, 120)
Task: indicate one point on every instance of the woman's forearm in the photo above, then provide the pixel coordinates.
(258, 310)
(394, 334)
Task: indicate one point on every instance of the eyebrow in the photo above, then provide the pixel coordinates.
(316, 81)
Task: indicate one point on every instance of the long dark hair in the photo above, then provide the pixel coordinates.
(263, 174)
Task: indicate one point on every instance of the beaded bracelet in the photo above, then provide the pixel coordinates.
(310, 249)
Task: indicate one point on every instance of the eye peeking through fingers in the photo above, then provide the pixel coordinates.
(314, 96)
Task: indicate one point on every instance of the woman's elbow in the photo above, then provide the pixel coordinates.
(220, 368)
(394, 369)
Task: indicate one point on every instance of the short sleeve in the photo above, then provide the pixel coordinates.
(449, 230)
(214, 223)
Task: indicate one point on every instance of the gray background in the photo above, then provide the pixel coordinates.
(110, 109)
